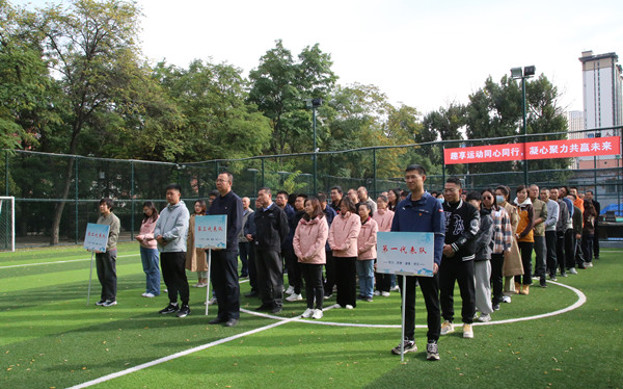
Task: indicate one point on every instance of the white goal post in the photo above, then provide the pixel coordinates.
(7, 223)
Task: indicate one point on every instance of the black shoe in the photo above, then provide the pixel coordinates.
(231, 322)
(169, 309)
(217, 320)
(496, 307)
(252, 293)
(184, 311)
(100, 303)
(264, 307)
(276, 310)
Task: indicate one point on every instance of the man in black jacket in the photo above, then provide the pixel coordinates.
(462, 225)
(271, 225)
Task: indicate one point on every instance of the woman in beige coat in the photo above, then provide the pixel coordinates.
(512, 259)
(196, 260)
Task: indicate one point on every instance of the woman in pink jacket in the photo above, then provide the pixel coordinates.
(384, 218)
(366, 252)
(309, 243)
(149, 250)
(343, 241)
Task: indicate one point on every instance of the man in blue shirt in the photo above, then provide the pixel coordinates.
(421, 212)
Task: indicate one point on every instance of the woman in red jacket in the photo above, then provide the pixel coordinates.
(343, 241)
(309, 243)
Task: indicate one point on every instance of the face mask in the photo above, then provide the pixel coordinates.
(441, 201)
(500, 199)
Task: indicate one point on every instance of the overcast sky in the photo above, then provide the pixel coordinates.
(425, 54)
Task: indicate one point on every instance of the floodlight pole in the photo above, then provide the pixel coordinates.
(519, 73)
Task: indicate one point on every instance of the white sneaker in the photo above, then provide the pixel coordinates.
(446, 328)
(385, 294)
(506, 299)
(144, 294)
(149, 295)
(484, 318)
(308, 313)
(294, 297)
(212, 301)
(290, 290)
(377, 292)
(348, 306)
(317, 314)
(573, 271)
(395, 288)
(468, 331)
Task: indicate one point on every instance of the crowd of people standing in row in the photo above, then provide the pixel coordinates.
(483, 240)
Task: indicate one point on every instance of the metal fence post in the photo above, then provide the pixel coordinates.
(132, 199)
(76, 160)
(263, 176)
(374, 171)
(6, 173)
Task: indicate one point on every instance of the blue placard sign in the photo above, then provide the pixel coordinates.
(406, 253)
(96, 237)
(211, 232)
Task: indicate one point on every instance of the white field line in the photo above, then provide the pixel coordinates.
(134, 369)
(55, 262)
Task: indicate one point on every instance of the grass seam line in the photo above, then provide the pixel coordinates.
(180, 354)
(55, 262)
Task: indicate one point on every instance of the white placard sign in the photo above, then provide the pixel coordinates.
(96, 237)
(211, 232)
(406, 253)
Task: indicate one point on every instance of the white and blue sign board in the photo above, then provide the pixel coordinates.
(96, 237)
(211, 232)
(405, 253)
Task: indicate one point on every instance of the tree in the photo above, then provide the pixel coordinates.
(279, 87)
(88, 46)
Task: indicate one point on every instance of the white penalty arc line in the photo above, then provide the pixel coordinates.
(143, 366)
(55, 262)
(579, 302)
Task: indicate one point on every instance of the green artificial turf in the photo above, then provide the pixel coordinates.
(51, 338)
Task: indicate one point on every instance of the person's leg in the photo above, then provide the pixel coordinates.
(101, 274)
(330, 273)
(550, 245)
(306, 270)
(275, 278)
(539, 251)
(351, 281)
(153, 272)
(497, 263)
(482, 272)
(596, 240)
(369, 277)
(525, 249)
(465, 277)
(560, 253)
(340, 280)
(263, 284)
(315, 280)
(180, 277)
(252, 267)
(217, 277)
(446, 288)
(430, 291)
(231, 290)
(570, 249)
(409, 306)
(243, 248)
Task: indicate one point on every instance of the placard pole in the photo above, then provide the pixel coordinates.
(208, 286)
(404, 300)
(90, 277)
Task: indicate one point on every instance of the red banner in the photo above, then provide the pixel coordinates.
(587, 147)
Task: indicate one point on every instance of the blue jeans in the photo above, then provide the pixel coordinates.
(365, 272)
(149, 257)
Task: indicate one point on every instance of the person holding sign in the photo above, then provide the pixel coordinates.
(224, 272)
(421, 212)
(106, 262)
(170, 232)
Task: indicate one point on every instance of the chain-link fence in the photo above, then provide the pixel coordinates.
(39, 181)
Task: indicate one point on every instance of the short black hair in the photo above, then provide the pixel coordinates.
(338, 188)
(174, 186)
(214, 193)
(454, 180)
(419, 168)
(283, 192)
(303, 195)
(109, 203)
(475, 195)
(265, 189)
(322, 197)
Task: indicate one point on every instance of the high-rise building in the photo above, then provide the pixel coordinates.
(602, 77)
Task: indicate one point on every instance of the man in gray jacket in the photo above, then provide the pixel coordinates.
(171, 232)
(553, 213)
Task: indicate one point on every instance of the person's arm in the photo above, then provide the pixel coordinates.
(439, 229)
(113, 235)
(542, 216)
(552, 217)
(319, 240)
(530, 224)
(180, 227)
(353, 232)
(284, 227)
(236, 214)
(296, 242)
(371, 241)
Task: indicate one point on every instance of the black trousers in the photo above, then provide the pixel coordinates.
(451, 270)
(314, 290)
(383, 282)
(294, 271)
(430, 290)
(269, 277)
(588, 246)
(540, 255)
(525, 248)
(224, 275)
(106, 265)
(596, 241)
(569, 248)
(560, 252)
(174, 275)
(550, 245)
(345, 276)
(497, 281)
(330, 273)
(244, 249)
